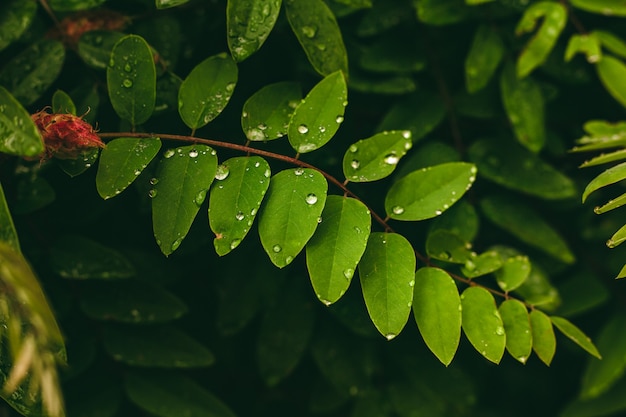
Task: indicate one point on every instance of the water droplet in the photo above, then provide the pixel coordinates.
(234, 243)
(397, 210)
(408, 145)
(438, 212)
(324, 301)
(500, 331)
(193, 153)
(311, 199)
(298, 171)
(339, 119)
(267, 173)
(222, 172)
(176, 244)
(522, 359)
(137, 172)
(309, 31)
(390, 336)
(353, 148)
(355, 164)
(127, 83)
(288, 260)
(200, 197)
(412, 283)
(322, 129)
(154, 181)
(319, 219)
(391, 159)
(169, 153)
(230, 87)
(128, 68)
(303, 129)
(276, 248)
(406, 134)
(152, 193)
(253, 212)
(240, 216)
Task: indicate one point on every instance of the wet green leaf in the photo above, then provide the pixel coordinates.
(517, 168)
(514, 272)
(516, 322)
(183, 178)
(537, 290)
(528, 226)
(575, 335)
(605, 158)
(130, 301)
(84, 161)
(524, 105)
(608, 177)
(235, 199)
(18, 133)
(483, 58)
(249, 23)
(420, 113)
(437, 310)
(95, 47)
(387, 272)
(167, 394)
(206, 90)
(317, 30)
(612, 73)
(446, 246)
(376, 157)
(335, 249)
(428, 192)
(482, 323)
(290, 214)
(553, 18)
(601, 135)
(166, 4)
(604, 7)
(8, 234)
(160, 346)
(74, 5)
(284, 333)
(266, 114)
(599, 376)
(131, 79)
(77, 257)
(483, 264)
(29, 74)
(15, 17)
(589, 44)
(544, 341)
(317, 118)
(62, 103)
(122, 161)
(617, 238)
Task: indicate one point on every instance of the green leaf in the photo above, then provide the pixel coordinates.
(482, 323)
(420, 113)
(514, 272)
(266, 114)
(604, 7)
(131, 79)
(599, 376)
(206, 90)
(528, 226)
(166, 4)
(95, 47)
(77, 257)
(167, 394)
(589, 44)
(316, 28)
(483, 58)
(130, 301)
(155, 347)
(461, 219)
(554, 17)
(18, 133)
(575, 335)
(515, 167)
(537, 290)
(387, 272)
(437, 310)
(335, 249)
(544, 341)
(611, 42)
(122, 161)
(15, 17)
(519, 341)
(612, 74)
(317, 118)
(617, 238)
(441, 12)
(284, 334)
(290, 214)
(183, 178)
(601, 135)
(483, 264)
(249, 23)
(62, 103)
(524, 107)
(29, 74)
(605, 158)
(608, 177)
(8, 234)
(84, 161)
(74, 5)
(235, 199)
(376, 157)
(446, 246)
(428, 192)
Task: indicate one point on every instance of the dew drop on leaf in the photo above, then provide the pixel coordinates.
(353, 148)
(390, 336)
(276, 248)
(311, 199)
(222, 172)
(234, 243)
(169, 153)
(128, 68)
(391, 159)
(355, 164)
(397, 210)
(176, 244)
(309, 31)
(288, 259)
(154, 181)
(339, 119)
(299, 171)
(239, 216)
(152, 193)
(303, 129)
(127, 83)
(500, 331)
(348, 273)
(193, 153)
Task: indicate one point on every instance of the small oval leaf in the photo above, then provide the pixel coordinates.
(608, 177)
(482, 323)
(612, 73)
(266, 114)
(387, 273)
(483, 58)
(249, 23)
(18, 133)
(519, 341)
(575, 335)
(544, 341)
(513, 273)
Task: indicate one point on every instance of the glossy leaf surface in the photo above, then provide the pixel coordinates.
(608, 177)
(18, 133)
(289, 217)
(376, 157)
(122, 161)
(206, 90)
(428, 192)
(516, 322)
(235, 199)
(482, 323)
(387, 273)
(63, 103)
(316, 28)
(446, 246)
(483, 264)
(266, 114)
(513, 273)
(249, 23)
(612, 73)
(183, 178)
(544, 341)
(131, 79)
(317, 118)
(15, 17)
(437, 310)
(575, 335)
(335, 249)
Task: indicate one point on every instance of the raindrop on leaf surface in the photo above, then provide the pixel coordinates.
(311, 199)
